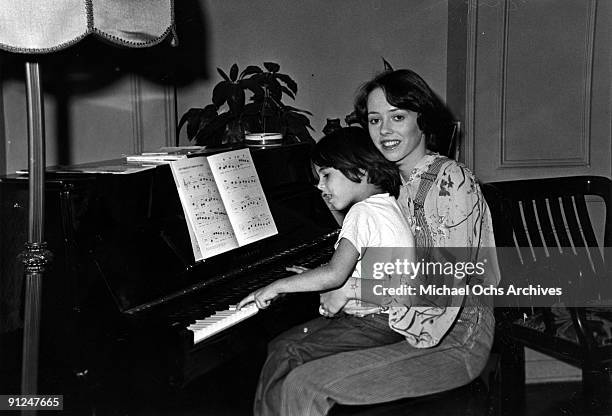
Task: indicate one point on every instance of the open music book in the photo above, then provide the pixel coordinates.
(224, 204)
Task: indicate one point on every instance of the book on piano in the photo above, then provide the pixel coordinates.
(223, 202)
(165, 155)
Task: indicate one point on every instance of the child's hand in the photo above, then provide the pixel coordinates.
(333, 301)
(297, 269)
(262, 297)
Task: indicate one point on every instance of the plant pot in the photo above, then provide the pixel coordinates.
(263, 139)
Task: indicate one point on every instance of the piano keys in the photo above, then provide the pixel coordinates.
(124, 283)
(212, 325)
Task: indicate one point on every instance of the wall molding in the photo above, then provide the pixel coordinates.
(170, 114)
(2, 131)
(585, 128)
(469, 134)
(137, 123)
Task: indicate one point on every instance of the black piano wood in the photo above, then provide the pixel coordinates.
(124, 285)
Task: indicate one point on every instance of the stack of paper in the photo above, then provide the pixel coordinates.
(164, 155)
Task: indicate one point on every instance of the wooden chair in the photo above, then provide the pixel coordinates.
(548, 223)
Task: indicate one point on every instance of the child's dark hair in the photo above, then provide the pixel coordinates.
(351, 151)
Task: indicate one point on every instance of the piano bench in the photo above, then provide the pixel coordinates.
(473, 399)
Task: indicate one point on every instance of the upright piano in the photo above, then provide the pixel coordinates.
(123, 295)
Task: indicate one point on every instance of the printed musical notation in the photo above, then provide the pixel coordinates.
(229, 163)
(247, 203)
(243, 195)
(239, 183)
(256, 223)
(198, 181)
(223, 202)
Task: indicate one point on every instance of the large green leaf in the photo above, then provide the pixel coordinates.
(287, 91)
(189, 114)
(251, 85)
(213, 132)
(272, 67)
(192, 118)
(222, 93)
(250, 70)
(197, 118)
(297, 110)
(234, 73)
(291, 84)
(274, 88)
(297, 126)
(296, 119)
(223, 74)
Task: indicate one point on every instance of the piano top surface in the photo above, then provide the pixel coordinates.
(130, 229)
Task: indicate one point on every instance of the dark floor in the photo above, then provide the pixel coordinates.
(228, 391)
(225, 394)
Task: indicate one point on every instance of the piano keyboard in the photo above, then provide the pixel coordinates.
(220, 321)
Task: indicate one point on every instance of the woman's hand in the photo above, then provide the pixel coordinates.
(332, 302)
(262, 297)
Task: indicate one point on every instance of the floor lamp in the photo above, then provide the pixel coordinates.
(37, 27)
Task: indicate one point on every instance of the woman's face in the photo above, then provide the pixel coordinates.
(394, 131)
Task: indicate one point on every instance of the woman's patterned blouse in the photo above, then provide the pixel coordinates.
(456, 215)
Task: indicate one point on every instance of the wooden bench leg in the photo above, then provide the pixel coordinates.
(512, 377)
(597, 390)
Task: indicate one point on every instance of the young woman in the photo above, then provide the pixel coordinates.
(447, 344)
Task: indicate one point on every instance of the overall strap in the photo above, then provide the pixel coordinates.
(423, 234)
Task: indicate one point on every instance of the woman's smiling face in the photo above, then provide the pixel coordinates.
(394, 131)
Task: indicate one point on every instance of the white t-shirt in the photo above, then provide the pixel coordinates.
(377, 221)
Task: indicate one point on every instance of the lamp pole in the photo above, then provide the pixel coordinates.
(35, 257)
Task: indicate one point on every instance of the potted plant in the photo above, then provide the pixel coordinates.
(230, 117)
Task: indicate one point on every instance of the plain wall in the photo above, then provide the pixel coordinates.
(328, 47)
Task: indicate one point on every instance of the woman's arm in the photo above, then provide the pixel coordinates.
(328, 276)
(364, 289)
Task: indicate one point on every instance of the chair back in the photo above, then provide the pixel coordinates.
(547, 222)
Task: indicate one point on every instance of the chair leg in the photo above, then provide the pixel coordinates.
(512, 377)
(597, 390)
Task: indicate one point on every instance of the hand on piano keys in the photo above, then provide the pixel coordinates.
(261, 297)
(264, 296)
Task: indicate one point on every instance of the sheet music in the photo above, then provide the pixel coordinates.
(242, 195)
(207, 218)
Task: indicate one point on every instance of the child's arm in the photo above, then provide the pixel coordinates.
(328, 276)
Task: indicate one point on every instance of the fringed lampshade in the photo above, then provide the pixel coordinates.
(38, 26)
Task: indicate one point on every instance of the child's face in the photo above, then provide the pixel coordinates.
(338, 190)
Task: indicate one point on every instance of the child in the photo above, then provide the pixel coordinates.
(352, 174)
